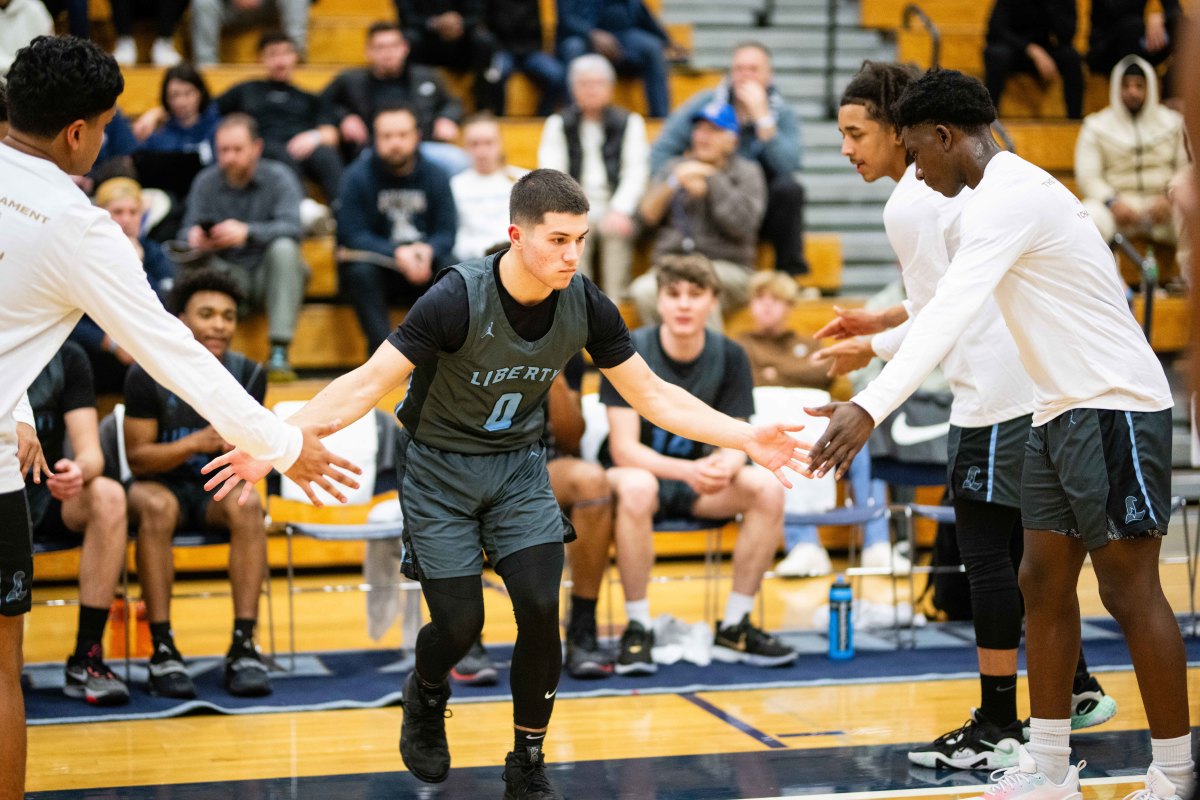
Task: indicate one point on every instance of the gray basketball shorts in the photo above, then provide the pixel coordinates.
(984, 464)
(16, 554)
(1099, 475)
(458, 506)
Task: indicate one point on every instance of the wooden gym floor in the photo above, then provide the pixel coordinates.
(839, 740)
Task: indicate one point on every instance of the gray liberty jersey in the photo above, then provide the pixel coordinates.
(488, 396)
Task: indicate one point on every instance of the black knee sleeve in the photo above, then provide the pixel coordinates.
(985, 534)
(455, 622)
(533, 577)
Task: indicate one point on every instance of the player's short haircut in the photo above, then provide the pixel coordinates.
(687, 267)
(876, 86)
(542, 192)
(239, 119)
(945, 97)
(186, 73)
(57, 80)
(384, 26)
(202, 280)
(274, 37)
(779, 285)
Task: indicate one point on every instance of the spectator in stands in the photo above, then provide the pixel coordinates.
(624, 32)
(210, 16)
(657, 475)
(388, 79)
(396, 205)
(167, 443)
(1035, 37)
(709, 201)
(21, 21)
(297, 127)
(603, 147)
(1123, 27)
(452, 34)
(77, 499)
(122, 199)
(166, 13)
(768, 132)
(243, 219)
(780, 357)
(517, 26)
(189, 124)
(1126, 156)
(481, 192)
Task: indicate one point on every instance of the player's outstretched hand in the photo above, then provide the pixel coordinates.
(316, 464)
(773, 446)
(845, 356)
(849, 428)
(852, 322)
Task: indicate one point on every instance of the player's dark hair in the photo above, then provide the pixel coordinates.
(876, 86)
(187, 73)
(56, 80)
(202, 280)
(686, 267)
(238, 119)
(3, 103)
(542, 192)
(384, 26)
(945, 97)
(274, 37)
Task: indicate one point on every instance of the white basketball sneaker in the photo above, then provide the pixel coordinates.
(1158, 787)
(1025, 782)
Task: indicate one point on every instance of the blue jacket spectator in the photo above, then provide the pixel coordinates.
(624, 32)
(394, 207)
(192, 117)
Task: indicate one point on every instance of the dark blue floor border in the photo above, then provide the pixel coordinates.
(769, 773)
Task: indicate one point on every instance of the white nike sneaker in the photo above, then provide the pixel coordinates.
(164, 54)
(882, 555)
(1158, 787)
(805, 560)
(1025, 782)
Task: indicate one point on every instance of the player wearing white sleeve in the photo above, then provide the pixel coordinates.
(1096, 476)
(60, 258)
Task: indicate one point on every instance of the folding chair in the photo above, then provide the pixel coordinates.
(369, 443)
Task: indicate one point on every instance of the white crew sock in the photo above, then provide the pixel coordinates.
(639, 611)
(1174, 758)
(736, 607)
(1050, 746)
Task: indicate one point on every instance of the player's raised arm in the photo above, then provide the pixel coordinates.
(671, 408)
(340, 403)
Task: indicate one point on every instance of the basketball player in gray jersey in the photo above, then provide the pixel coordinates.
(479, 352)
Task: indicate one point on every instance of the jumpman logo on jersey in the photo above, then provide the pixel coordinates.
(971, 482)
(19, 590)
(1131, 512)
(488, 332)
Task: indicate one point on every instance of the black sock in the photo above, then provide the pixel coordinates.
(583, 617)
(523, 740)
(161, 632)
(243, 632)
(1082, 676)
(91, 628)
(999, 699)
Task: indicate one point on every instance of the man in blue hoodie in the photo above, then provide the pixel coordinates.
(397, 204)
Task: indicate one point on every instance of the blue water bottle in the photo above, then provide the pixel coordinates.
(841, 620)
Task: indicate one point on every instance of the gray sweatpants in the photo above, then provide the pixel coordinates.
(276, 284)
(209, 16)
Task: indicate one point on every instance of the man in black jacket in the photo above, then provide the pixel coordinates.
(1034, 36)
(517, 26)
(389, 80)
(451, 33)
(1122, 27)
